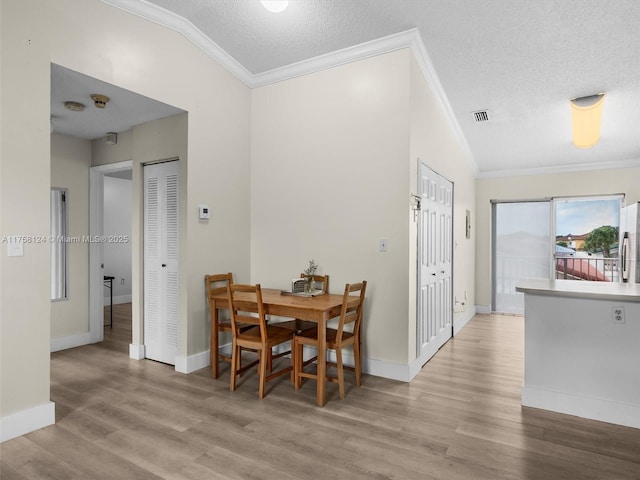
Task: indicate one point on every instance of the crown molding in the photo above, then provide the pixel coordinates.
(364, 50)
(429, 73)
(174, 22)
(408, 39)
(557, 169)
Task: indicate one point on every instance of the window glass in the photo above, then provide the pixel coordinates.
(58, 244)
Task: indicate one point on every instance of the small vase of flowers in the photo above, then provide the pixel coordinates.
(309, 272)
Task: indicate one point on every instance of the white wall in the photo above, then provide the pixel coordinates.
(70, 158)
(143, 57)
(434, 143)
(596, 182)
(117, 230)
(329, 178)
(334, 161)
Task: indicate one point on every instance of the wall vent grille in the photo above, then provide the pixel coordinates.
(481, 116)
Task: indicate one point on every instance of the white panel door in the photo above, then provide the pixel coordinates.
(161, 261)
(435, 257)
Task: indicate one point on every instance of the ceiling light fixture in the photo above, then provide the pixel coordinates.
(275, 6)
(99, 100)
(586, 113)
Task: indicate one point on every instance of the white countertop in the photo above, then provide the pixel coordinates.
(627, 292)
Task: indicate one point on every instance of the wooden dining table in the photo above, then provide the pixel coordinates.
(318, 309)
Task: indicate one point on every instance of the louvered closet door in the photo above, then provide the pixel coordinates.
(161, 261)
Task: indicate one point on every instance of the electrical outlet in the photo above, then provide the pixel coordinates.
(617, 314)
(121, 281)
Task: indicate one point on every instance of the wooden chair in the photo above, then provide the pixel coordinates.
(216, 284)
(321, 282)
(337, 339)
(244, 301)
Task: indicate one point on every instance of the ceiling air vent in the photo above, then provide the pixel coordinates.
(481, 116)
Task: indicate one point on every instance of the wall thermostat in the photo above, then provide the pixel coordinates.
(203, 211)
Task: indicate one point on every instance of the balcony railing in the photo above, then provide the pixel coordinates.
(588, 268)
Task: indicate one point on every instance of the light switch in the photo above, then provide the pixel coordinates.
(383, 244)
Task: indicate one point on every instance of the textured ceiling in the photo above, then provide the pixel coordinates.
(124, 110)
(521, 60)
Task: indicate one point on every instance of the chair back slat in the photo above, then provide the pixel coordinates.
(246, 307)
(215, 285)
(352, 306)
(319, 280)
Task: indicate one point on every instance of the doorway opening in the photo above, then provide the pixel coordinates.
(111, 221)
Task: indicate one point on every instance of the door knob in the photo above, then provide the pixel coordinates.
(164, 264)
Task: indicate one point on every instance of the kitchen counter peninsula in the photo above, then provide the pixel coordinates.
(582, 349)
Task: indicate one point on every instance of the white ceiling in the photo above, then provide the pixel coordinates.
(124, 110)
(522, 60)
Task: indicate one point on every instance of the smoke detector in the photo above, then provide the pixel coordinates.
(74, 106)
(111, 138)
(99, 100)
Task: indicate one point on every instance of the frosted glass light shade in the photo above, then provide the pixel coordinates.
(586, 113)
(275, 6)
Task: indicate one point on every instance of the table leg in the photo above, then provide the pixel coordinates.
(322, 361)
(213, 348)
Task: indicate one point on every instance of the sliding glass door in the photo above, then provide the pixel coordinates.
(522, 244)
(565, 238)
(587, 234)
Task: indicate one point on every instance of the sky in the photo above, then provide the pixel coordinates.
(578, 217)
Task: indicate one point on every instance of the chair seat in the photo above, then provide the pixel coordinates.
(225, 325)
(296, 325)
(275, 335)
(310, 336)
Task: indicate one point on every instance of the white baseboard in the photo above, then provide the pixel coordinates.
(192, 362)
(70, 341)
(460, 321)
(117, 300)
(394, 371)
(586, 407)
(379, 368)
(27, 421)
(483, 309)
(136, 351)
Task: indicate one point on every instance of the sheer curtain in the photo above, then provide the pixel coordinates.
(521, 249)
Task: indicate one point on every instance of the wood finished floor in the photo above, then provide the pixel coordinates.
(460, 418)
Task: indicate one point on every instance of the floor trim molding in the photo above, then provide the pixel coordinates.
(461, 321)
(136, 351)
(581, 406)
(70, 341)
(27, 421)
